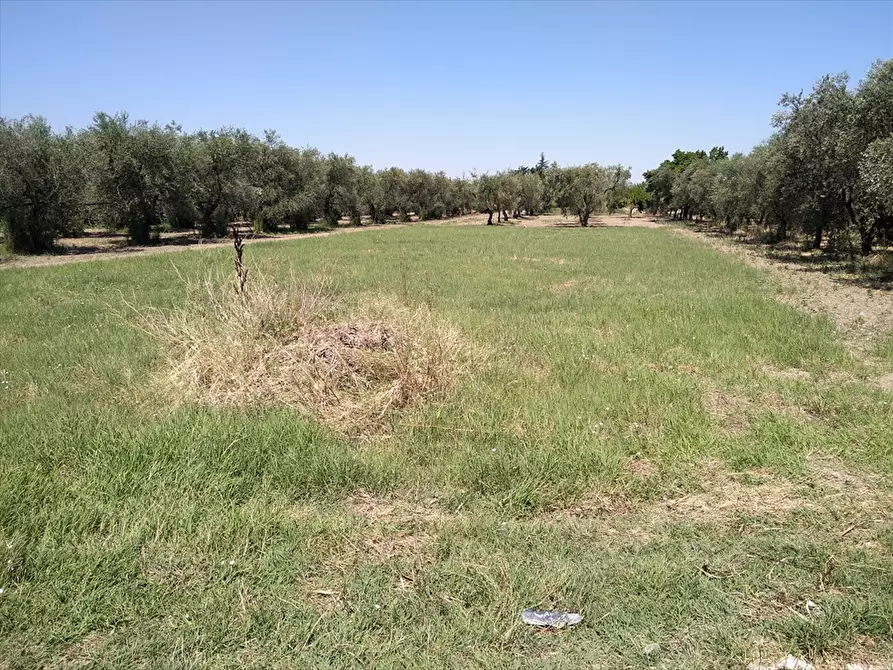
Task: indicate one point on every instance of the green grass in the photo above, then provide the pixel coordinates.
(120, 510)
(885, 349)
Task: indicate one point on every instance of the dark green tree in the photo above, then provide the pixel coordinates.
(41, 184)
(718, 154)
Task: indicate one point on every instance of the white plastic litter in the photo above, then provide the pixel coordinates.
(793, 663)
(787, 663)
(651, 649)
(550, 619)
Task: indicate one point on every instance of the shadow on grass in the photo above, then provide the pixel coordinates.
(872, 272)
(100, 243)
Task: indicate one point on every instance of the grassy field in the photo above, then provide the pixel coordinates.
(649, 437)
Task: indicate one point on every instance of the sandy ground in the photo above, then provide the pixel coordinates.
(603, 221)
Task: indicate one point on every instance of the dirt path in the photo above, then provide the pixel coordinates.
(863, 316)
(112, 253)
(603, 221)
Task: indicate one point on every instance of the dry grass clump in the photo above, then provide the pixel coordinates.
(396, 510)
(727, 495)
(728, 409)
(724, 496)
(348, 365)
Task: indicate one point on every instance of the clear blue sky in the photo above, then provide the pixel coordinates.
(452, 86)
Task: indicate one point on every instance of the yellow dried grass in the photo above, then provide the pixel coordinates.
(349, 365)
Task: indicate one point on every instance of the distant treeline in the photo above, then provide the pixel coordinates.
(826, 173)
(144, 178)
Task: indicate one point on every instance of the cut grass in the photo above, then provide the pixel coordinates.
(571, 472)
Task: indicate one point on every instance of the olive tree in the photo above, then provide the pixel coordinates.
(379, 192)
(637, 198)
(340, 189)
(41, 183)
(531, 191)
(869, 129)
(485, 187)
(462, 197)
(876, 184)
(288, 183)
(219, 163)
(587, 189)
(135, 172)
(427, 194)
(503, 195)
(393, 186)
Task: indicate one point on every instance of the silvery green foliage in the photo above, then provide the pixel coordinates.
(876, 173)
(825, 171)
(41, 180)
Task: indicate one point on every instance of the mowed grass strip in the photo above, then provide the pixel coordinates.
(652, 440)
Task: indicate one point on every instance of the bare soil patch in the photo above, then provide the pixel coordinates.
(863, 489)
(385, 547)
(773, 401)
(536, 369)
(82, 249)
(726, 408)
(398, 511)
(732, 410)
(643, 468)
(564, 286)
(724, 496)
(787, 374)
(600, 221)
(590, 506)
(393, 528)
(326, 600)
(525, 259)
(162, 566)
(83, 653)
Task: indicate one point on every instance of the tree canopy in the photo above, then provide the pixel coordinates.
(824, 173)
